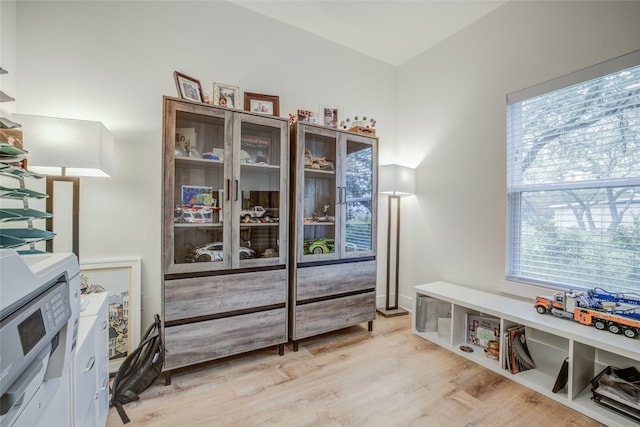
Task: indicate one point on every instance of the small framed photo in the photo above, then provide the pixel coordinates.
(329, 117)
(259, 103)
(226, 95)
(306, 116)
(186, 138)
(188, 87)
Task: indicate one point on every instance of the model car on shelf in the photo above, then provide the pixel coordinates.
(319, 246)
(619, 313)
(255, 213)
(212, 252)
(193, 214)
(314, 162)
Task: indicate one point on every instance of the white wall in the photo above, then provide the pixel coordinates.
(113, 61)
(452, 119)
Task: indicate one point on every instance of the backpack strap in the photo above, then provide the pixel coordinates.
(123, 415)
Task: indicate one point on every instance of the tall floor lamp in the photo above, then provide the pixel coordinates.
(65, 150)
(395, 181)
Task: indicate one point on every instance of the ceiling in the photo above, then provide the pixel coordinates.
(391, 31)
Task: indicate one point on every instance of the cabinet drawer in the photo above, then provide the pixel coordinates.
(213, 339)
(326, 280)
(86, 365)
(202, 296)
(329, 315)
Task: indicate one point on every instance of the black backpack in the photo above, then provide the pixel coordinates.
(139, 370)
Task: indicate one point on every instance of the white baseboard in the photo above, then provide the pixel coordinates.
(403, 301)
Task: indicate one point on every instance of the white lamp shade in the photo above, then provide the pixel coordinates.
(66, 146)
(397, 180)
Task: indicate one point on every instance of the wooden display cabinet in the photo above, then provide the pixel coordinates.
(225, 247)
(333, 244)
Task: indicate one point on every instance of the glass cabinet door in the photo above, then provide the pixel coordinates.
(262, 161)
(225, 188)
(358, 200)
(199, 236)
(317, 152)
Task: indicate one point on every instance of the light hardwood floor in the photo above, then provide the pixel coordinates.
(388, 377)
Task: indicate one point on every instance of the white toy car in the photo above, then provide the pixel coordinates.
(212, 252)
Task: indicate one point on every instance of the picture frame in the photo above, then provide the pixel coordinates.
(307, 116)
(260, 103)
(225, 95)
(329, 116)
(482, 329)
(188, 87)
(257, 147)
(186, 139)
(197, 195)
(121, 278)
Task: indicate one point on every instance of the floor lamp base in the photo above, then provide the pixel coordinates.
(392, 312)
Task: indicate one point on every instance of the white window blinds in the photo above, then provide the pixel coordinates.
(573, 179)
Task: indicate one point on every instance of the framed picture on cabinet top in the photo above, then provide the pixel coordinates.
(306, 116)
(188, 87)
(121, 279)
(226, 95)
(259, 103)
(329, 117)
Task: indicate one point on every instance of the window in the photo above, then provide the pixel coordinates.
(573, 179)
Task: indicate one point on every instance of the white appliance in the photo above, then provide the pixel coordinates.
(39, 316)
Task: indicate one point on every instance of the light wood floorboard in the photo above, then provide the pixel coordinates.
(388, 377)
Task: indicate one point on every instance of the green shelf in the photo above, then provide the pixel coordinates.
(27, 235)
(7, 149)
(11, 154)
(20, 193)
(10, 242)
(18, 214)
(32, 252)
(14, 172)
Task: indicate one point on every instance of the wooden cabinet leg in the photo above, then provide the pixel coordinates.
(281, 349)
(167, 378)
(295, 346)
(370, 325)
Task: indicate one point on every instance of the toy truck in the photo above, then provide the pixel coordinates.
(255, 212)
(617, 312)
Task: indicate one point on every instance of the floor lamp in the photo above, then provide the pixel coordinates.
(65, 150)
(395, 181)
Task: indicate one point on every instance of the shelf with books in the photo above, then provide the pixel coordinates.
(550, 341)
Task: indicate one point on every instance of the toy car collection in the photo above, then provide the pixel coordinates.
(617, 312)
(214, 252)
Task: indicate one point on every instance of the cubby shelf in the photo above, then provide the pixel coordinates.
(550, 341)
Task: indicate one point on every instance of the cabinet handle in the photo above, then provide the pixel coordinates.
(92, 361)
(344, 198)
(338, 195)
(228, 189)
(236, 189)
(104, 325)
